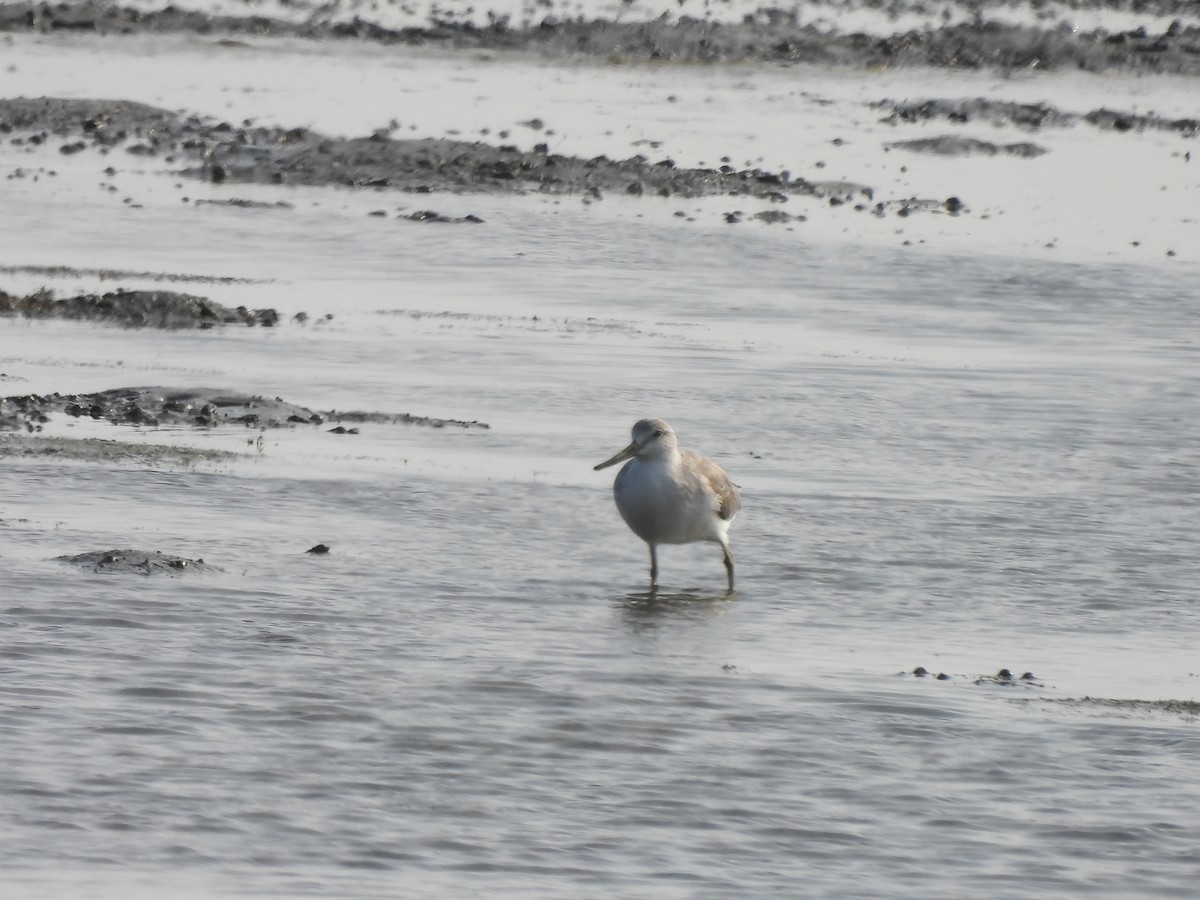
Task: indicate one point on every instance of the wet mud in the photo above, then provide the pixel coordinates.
(96, 450)
(199, 407)
(220, 152)
(1007, 678)
(1028, 116)
(231, 153)
(240, 203)
(1188, 709)
(114, 274)
(135, 309)
(774, 35)
(379, 418)
(152, 406)
(429, 215)
(954, 145)
(137, 562)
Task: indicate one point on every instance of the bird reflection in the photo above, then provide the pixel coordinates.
(644, 610)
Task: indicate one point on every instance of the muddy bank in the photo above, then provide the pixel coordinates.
(126, 274)
(772, 35)
(1029, 116)
(1188, 709)
(220, 152)
(97, 450)
(153, 406)
(137, 562)
(954, 145)
(199, 407)
(378, 418)
(135, 309)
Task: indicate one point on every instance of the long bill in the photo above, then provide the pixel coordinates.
(627, 453)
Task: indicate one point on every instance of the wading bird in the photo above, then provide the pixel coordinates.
(671, 496)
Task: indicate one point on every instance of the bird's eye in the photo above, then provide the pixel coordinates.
(658, 433)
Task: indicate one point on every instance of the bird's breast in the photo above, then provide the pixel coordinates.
(660, 506)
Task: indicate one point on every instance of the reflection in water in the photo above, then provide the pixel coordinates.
(645, 610)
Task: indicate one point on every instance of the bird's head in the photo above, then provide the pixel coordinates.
(651, 438)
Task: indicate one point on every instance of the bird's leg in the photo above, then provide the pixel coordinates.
(728, 563)
(653, 568)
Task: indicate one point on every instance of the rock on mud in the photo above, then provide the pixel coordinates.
(137, 562)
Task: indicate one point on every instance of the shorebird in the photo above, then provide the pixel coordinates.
(671, 496)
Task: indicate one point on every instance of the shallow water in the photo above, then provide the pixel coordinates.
(963, 462)
(470, 692)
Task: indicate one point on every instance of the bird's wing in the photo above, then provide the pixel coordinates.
(729, 499)
(729, 496)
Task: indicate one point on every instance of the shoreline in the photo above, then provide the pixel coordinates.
(767, 36)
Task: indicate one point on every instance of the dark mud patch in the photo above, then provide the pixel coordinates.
(429, 215)
(772, 35)
(153, 406)
(778, 217)
(242, 203)
(198, 407)
(1028, 116)
(954, 145)
(1118, 120)
(137, 562)
(769, 216)
(220, 152)
(1187, 709)
(355, 416)
(906, 207)
(125, 274)
(96, 450)
(565, 326)
(135, 309)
